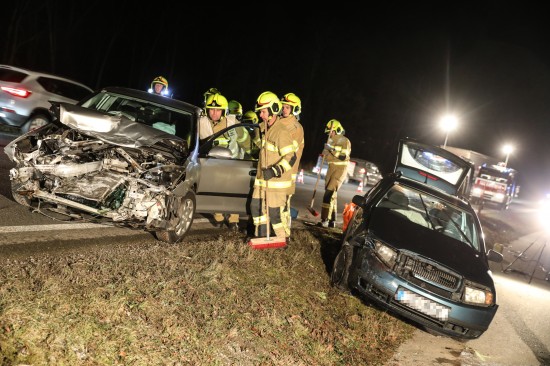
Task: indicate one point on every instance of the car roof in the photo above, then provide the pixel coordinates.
(159, 99)
(45, 74)
(433, 166)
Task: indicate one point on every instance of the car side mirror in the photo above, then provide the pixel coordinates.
(494, 256)
(359, 200)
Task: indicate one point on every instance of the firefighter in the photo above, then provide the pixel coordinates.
(292, 107)
(215, 119)
(274, 176)
(250, 117)
(336, 153)
(236, 109)
(159, 86)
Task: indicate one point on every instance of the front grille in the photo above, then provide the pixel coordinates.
(430, 273)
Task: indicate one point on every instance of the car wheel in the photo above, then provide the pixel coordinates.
(21, 199)
(180, 217)
(38, 120)
(340, 269)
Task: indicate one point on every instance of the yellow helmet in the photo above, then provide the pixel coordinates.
(334, 125)
(216, 101)
(293, 100)
(208, 93)
(250, 117)
(235, 107)
(162, 81)
(268, 100)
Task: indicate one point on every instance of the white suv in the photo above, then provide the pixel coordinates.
(25, 97)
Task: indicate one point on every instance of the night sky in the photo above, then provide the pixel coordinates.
(384, 73)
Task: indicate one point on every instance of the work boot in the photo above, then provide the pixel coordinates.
(331, 224)
(219, 224)
(323, 223)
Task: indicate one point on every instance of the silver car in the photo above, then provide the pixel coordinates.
(25, 97)
(129, 158)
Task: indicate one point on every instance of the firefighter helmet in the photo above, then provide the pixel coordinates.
(293, 100)
(250, 117)
(334, 125)
(235, 108)
(268, 100)
(216, 101)
(159, 80)
(208, 93)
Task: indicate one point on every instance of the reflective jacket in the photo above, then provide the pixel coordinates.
(278, 149)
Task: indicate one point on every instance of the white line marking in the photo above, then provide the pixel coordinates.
(28, 228)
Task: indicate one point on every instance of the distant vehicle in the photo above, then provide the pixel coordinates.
(25, 96)
(365, 171)
(495, 184)
(415, 245)
(125, 157)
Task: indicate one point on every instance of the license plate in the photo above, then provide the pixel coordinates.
(422, 304)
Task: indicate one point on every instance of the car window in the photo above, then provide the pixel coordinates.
(433, 213)
(173, 121)
(12, 76)
(241, 140)
(63, 88)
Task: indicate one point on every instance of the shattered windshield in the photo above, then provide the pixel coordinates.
(173, 121)
(431, 212)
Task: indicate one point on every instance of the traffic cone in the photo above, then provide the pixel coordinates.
(360, 188)
(300, 177)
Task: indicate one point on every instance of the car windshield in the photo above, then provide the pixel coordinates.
(433, 213)
(169, 120)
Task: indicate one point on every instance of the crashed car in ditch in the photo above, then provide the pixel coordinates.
(415, 246)
(128, 158)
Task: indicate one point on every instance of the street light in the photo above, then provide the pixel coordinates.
(448, 123)
(507, 149)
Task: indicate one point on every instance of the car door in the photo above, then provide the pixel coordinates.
(227, 173)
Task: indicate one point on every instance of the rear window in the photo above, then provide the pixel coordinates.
(63, 88)
(12, 76)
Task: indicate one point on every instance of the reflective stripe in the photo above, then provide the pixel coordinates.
(259, 220)
(285, 165)
(278, 226)
(287, 150)
(338, 148)
(271, 147)
(273, 184)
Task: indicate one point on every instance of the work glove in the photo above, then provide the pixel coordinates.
(271, 172)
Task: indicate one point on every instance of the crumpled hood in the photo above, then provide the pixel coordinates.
(454, 254)
(116, 130)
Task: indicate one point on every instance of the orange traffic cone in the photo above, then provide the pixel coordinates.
(300, 177)
(360, 188)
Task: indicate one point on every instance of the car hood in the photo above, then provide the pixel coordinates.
(116, 130)
(452, 253)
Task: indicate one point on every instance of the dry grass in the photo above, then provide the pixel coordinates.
(203, 302)
(214, 302)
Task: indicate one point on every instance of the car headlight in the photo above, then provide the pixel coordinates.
(499, 196)
(477, 191)
(477, 295)
(386, 254)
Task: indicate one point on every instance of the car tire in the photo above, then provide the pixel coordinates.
(341, 268)
(37, 120)
(22, 200)
(181, 211)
